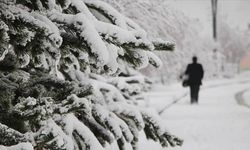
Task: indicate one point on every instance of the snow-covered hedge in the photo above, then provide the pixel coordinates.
(66, 79)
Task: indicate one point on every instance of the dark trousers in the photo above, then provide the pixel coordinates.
(194, 93)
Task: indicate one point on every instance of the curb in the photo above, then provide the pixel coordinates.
(240, 99)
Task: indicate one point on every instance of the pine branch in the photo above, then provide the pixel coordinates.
(161, 45)
(10, 136)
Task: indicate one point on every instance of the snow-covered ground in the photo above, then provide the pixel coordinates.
(246, 96)
(218, 122)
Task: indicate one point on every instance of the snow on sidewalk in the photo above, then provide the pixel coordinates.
(216, 123)
(246, 97)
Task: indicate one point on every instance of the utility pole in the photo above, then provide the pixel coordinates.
(214, 26)
(214, 13)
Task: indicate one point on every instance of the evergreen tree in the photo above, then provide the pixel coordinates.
(65, 76)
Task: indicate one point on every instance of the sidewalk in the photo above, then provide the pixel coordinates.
(216, 123)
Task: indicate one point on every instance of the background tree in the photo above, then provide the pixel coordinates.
(189, 35)
(234, 44)
(177, 27)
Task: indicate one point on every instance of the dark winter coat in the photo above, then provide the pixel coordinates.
(195, 73)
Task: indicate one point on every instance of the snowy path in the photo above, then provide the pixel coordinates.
(217, 123)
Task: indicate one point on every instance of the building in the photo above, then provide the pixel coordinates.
(245, 62)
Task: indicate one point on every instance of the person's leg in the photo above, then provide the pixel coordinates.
(192, 94)
(198, 90)
(196, 93)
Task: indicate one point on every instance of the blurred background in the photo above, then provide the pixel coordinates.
(191, 26)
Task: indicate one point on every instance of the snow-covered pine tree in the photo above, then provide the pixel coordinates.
(64, 83)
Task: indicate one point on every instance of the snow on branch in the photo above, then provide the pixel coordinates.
(155, 129)
(81, 7)
(85, 30)
(154, 59)
(20, 146)
(161, 45)
(128, 111)
(121, 36)
(4, 39)
(82, 134)
(115, 17)
(10, 136)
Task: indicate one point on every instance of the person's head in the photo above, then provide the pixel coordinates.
(194, 59)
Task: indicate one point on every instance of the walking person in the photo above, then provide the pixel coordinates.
(195, 73)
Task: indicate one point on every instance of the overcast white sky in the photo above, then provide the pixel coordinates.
(237, 11)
